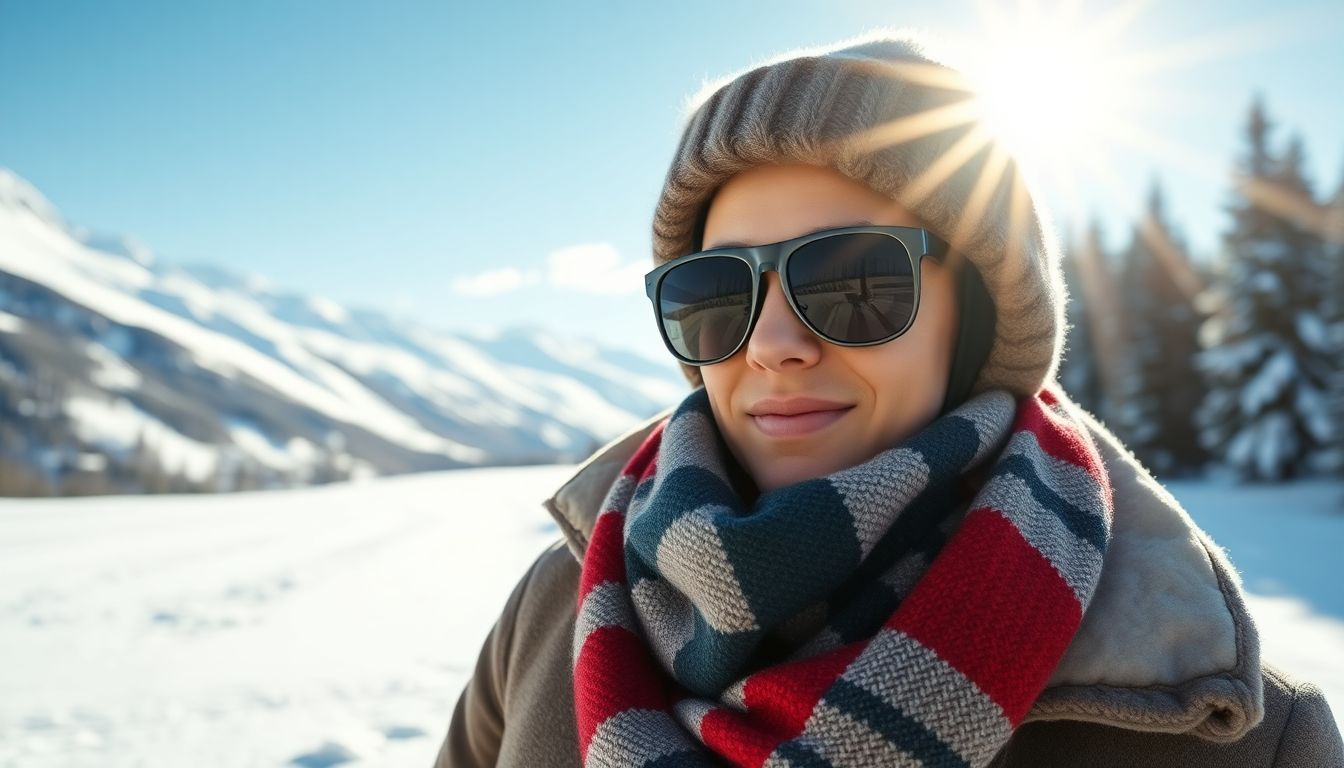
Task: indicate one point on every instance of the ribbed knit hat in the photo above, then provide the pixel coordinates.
(881, 111)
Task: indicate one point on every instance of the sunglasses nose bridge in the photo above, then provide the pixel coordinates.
(766, 258)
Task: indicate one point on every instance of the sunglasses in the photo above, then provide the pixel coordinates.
(855, 287)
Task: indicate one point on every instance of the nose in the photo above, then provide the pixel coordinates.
(780, 342)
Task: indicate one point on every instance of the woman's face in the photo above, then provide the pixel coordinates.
(790, 405)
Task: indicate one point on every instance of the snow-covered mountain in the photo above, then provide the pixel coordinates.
(118, 372)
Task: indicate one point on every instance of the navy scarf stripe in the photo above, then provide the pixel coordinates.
(899, 728)
(1085, 525)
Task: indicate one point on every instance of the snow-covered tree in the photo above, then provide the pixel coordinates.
(1159, 386)
(1269, 351)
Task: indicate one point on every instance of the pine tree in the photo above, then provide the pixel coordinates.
(1095, 337)
(1268, 363)
(1078, 373)
(1159, 386)
(1334, 311)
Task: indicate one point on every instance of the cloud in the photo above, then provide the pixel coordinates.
(496, 281)
(587, 268)
(594, 268)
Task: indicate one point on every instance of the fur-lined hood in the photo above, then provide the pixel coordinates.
(1167, 644)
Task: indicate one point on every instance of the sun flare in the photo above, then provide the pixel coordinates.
(1054, 88)
(1041, 93)
(1062, 88)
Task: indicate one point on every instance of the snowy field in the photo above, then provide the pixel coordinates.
(337, 625)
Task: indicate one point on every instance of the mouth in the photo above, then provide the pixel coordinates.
(796, 417)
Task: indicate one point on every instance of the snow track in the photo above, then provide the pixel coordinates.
(337, 625)
(312, 627)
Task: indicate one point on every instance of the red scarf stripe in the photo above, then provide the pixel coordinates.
(1090, 459)
(604, 562)
(613, 673)
(612, 670)
(738, 739)
(601, 608)
(1060, 439)
(1048, 396)
(1006, 640)
(781, 698)
(645, 461)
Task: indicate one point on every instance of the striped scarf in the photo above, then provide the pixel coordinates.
(906, 611)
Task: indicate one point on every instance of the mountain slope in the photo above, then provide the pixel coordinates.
(121, 373)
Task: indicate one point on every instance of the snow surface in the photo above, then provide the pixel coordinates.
(311, 626)
(337, 625)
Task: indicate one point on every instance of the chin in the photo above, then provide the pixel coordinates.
(779, 472)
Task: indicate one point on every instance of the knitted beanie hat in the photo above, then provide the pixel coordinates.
(882, 112)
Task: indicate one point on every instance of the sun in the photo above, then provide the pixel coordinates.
(1062, 99)
(1064, 90)
(1059, 91)
(1042, 91)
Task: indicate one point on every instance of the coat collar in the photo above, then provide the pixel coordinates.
(1166, 644)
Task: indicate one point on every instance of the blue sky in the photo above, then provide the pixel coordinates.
(387, 155)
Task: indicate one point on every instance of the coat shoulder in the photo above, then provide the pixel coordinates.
(1310, 735)
(1298, 731)
(541, 728)
(547, 596)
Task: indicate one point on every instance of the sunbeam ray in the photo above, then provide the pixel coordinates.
(952, 159)
(991, 175)
(917, 126)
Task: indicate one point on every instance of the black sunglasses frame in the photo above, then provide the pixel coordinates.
(774, 257)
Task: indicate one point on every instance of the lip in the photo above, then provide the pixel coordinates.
(796, 416)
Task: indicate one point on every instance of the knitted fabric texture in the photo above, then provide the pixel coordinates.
(882, 112)
(890, 614)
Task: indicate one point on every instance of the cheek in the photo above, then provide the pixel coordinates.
(716, 378)
(908, 376)
(903, 375)
(721, 381)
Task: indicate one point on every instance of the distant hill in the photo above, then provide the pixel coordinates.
(119, 373)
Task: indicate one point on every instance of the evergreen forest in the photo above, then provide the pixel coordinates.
(1232, 364)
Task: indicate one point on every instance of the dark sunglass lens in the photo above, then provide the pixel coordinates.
(856, 288)
(705, 306)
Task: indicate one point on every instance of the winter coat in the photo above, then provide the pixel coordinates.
(1164, 671)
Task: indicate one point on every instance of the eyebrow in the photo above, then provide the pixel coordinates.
(813, 231)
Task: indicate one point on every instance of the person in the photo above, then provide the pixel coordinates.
(875, 533)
